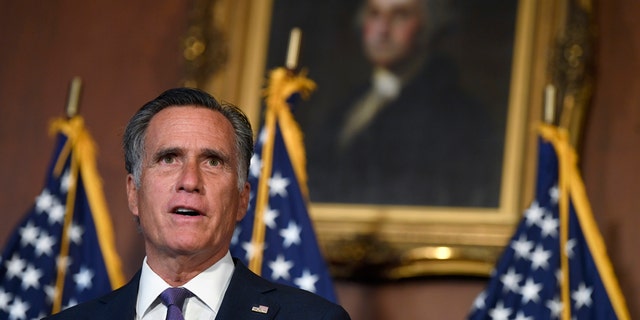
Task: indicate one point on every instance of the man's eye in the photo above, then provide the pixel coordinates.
(167, 159)
(214, 162)
(402, 15)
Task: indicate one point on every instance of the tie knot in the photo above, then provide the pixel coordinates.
(174, 296)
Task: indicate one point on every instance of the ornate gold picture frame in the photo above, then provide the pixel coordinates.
(226, 53)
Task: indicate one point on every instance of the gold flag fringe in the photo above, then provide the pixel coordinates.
(283, 83)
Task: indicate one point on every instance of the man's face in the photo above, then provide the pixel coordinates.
(390, 29)
(188, 200)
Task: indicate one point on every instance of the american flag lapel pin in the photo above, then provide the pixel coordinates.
(260, 309)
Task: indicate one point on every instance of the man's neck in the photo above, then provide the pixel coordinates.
(409, 68)
(178, 270)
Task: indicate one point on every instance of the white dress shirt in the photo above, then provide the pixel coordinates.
(208, 289)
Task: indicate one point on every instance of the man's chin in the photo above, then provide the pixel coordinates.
(185, 246)
(385, 61)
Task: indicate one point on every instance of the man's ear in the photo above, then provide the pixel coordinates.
(244, 201)
(132, 195)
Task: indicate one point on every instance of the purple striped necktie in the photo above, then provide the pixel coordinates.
(174, 298)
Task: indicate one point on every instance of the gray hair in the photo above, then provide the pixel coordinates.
(437, 15)
(135, 133)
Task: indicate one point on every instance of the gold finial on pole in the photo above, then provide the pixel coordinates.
(74, 97)
(549, 104)
(294, 48)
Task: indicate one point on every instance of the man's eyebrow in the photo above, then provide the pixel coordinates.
(204, 153)
(166, 151)
(212, 153)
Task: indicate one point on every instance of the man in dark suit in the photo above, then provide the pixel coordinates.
(187, 158)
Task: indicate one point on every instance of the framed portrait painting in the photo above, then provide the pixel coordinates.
(419, 136)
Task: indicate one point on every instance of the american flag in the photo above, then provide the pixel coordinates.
(61, 253)
(282, 240)
(532, 279)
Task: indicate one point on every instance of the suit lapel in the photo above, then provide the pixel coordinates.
(121, 303)
(247, 298)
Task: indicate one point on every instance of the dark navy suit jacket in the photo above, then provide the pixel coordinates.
(246, 290)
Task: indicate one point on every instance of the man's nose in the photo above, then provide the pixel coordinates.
(190, 179)
(381, 25)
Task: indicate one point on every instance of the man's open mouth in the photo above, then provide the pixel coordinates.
(186, 212)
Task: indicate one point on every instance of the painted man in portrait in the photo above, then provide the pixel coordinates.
(411, 134)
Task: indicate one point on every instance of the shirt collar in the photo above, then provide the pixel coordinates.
(386, 83)
(209, 286)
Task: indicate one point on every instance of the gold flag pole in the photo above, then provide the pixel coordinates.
(550, 104)
(71, 111)
(294, 49)
(282, 83)
(74, 97)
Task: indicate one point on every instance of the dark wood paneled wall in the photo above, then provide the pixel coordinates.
(126, 52)
(129, 51)
(611, 147)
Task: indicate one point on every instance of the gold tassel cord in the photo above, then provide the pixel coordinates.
(257, 238)
(564, 161)
(82, 148)
(282, 84)
(572, 187)
(64, 245)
